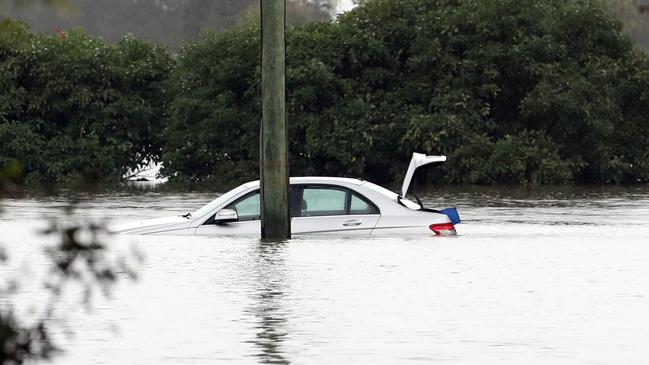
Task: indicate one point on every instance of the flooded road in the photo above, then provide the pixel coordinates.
(549, 276)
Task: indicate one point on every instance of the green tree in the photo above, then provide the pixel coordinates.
(74, 108)
(547, 80)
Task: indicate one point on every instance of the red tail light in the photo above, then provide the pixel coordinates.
(443, 229)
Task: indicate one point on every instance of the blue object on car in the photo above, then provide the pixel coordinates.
(452, 214)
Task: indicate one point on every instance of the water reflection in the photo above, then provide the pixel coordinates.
(269, 316)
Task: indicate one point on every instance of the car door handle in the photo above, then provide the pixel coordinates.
(353, 222)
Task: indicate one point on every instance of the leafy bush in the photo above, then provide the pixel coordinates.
(527, 157)
(213, 125)
(75, 108)
(531, 91)
(515, 92)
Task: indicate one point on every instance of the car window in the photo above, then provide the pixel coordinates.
(361, 206)
(308, 201)
(318, 201)
(218, 201)
(248, 208)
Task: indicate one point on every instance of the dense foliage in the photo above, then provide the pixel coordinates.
(212, 132)
(532, 91)
(75, 108)
(514, 92)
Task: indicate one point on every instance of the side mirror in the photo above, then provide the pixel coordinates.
(226, 216)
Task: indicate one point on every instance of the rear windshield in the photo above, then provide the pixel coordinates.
(382, 190)
(392, 195)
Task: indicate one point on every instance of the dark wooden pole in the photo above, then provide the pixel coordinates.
(275, 220)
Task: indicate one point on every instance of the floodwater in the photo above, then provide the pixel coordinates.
(536, 276)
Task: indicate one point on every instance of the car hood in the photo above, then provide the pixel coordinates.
(151, 225)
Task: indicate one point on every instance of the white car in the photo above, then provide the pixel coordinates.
(318, 205)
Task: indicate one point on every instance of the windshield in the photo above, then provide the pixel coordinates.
(218, 201)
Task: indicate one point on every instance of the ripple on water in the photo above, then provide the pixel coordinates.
(552, 277)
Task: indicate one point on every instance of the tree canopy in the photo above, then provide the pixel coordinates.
(73, 108)
(532, 91)
(514, 92)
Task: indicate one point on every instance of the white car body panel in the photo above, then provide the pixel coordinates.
(396, 215)
(343, 224)
(247, 228)
(174, 225)
(338, 224)
(391, 225)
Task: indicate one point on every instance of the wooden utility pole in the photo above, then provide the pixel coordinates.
(275, 219)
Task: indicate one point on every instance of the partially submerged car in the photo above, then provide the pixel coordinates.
(318, 205)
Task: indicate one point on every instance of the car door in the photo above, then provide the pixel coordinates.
(248, 209)
(332, 210)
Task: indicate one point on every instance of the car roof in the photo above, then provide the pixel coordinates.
(325, 179)
(314, 180)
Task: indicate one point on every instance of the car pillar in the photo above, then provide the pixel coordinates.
(275, 220)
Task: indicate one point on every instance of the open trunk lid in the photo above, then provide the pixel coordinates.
(418, 160)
